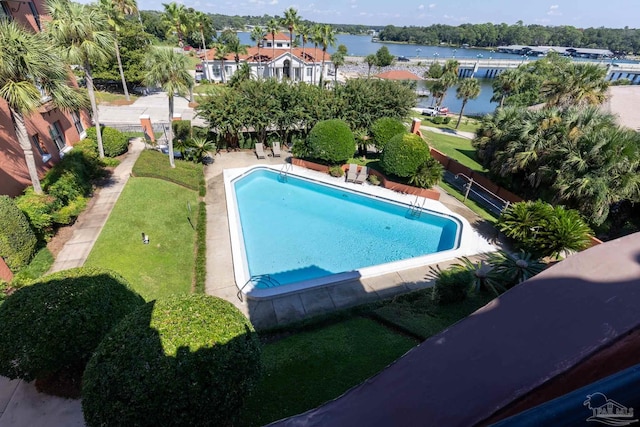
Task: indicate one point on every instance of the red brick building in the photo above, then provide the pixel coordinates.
(51, 131)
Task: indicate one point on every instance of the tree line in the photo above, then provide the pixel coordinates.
(621, 41)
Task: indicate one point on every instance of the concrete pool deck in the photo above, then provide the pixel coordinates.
(289, 308)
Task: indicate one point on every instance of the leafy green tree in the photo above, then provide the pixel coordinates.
(290, 20)
(233, 45)
(404, 154)
(577, 84)
(243, 73)
(168, 69)
(468, 89)
(82, 35)
(331, 141)
(385, 128)
(383, 57)
(27, 66)
(435, 71)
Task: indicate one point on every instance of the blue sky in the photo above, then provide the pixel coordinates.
(582, 14)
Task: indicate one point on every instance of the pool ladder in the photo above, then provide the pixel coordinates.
(266, 279)
(283, 175)
(415, 208)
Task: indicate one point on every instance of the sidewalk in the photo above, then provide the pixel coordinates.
(90, 222)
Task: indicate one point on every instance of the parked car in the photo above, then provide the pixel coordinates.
(435, 111)
(403, 59)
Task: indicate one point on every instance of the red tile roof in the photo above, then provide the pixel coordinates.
(398, 75)
(267, 54)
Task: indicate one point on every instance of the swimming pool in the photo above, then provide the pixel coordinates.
(303, 232)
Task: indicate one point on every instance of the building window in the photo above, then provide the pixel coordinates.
(55, 130)
(278, 44)
(309, 72)
(42, 149)
(216, 70)
(227, 70)
(36, 15)
(77, 123)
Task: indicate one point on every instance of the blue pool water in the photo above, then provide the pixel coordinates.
(300, 229)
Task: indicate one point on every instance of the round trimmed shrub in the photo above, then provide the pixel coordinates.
(189, 360)
(404, 154)
(331, 141)
(384, 129)
(51, 328)
(17, 239)
(114, 142)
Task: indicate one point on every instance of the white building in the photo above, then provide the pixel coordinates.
(272, 59)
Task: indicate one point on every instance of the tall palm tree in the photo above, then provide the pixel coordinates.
(202, 21)
(27, 66)
(370, 60)
(316, 38)
(327, 38)
(272, 28)
(291, 20)
(304, 31)
(505, 84)
(577, 84)
(220, 54)
(233, 45)
(175, 16)
(168, 69)
(468, 89)
(115, 11)
(338, 61)
(257, 35)
(82, 35)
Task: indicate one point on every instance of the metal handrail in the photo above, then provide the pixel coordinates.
(283, 171)
(266, 278)
(470, 183)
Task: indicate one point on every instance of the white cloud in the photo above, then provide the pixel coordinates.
(432, 6)
(273, 2)
(554, 10)
(421, 7)
(354, 6)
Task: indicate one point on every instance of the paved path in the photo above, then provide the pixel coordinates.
(155, 105)
(90, 222)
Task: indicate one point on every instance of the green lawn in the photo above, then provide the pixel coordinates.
(457, 148)
(468, 124)
(158, 208)
(110, 98)
(309, 368)
(154, 164)
(479, 210)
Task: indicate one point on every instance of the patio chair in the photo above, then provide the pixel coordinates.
(362, 176)
(260, 150)
(352, 173)
(276, 149)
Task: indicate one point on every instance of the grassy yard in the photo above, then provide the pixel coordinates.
(309, 368)
(457, 148)
(154, 164)
(468, 124)
(158, 208)
(109, 98)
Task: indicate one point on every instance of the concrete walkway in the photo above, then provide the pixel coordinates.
(155, 105)
(89, 224)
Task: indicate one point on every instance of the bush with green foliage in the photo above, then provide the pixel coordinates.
(17, 240)
(181, 130)
(331, 141)
(451, 285)
(437, 120)
(544, 230)
(404, 154)
(52, 327)
(428, 174)
(384, 129)
(336, 171)
(512, 269)
(72, 177)
(446, 120)
(114, 142)
(188, 359)
(39, 210)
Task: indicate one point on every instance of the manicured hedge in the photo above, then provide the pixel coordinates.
(114, 142)
(17, 239)
(384, 129)
(186, 361)
(404, 154)
(331, 141)
(55, 325)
